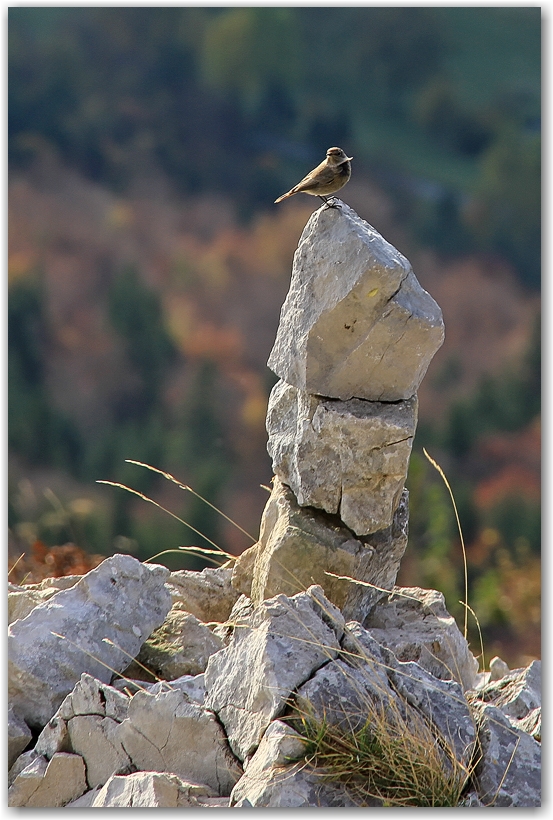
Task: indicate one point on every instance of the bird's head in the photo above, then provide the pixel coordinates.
(337, 156)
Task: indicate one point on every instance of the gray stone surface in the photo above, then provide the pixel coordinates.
(48, 784)
(517, 693)
(415, 624)
(356, 322)
(249, 681)
(19, 736)
(272, 781)
(181, 646)
(150, 790)
(440, 702)
(23, 599)
(209, 594)
(165, 732)
(345, 457)
(509, 771)
(298, 545)
(122, 600)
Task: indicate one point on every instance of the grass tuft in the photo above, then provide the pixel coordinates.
(392, 761)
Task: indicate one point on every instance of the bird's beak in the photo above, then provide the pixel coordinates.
(346, 159)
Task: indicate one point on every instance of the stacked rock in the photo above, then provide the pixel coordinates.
(356, 335)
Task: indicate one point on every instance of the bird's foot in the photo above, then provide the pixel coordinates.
(333, 202)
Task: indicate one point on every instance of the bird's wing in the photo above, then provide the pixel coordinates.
(323, 174)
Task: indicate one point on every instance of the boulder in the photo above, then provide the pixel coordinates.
(150, 790)
(356, 322)
(368, 683)
(19, 736)
(48, 784)
(271, 780)
(122, 600)
(181, 646)
(22, 599)
(209, 594)
(415, 624)
(349, 458)
(283, 642)
(299, 545)
(508, 772)
(517, 693)
(165, 732)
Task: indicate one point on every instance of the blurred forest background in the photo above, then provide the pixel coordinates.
(148, 266)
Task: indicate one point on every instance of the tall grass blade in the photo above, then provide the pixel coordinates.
(446, 482)
(188, 488)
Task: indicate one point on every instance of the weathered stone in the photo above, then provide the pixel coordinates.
(192, 686)
(49, 784)
(249, 682)
(517, 693)
(348, 458)
(85, 801)
(299, 545)
(239, 615)
(356, 322)
(97, 708)
(19, 736)
(498, 668)
(23, 599)
(150, 790)
(180, 646)
(272, 781)
(209, 594)
(440, 702)
(97, 740)
(87, 724)
(508, 772)
(242, 571)
(122, 600)
(20, 764)
(165, 732)
(344, 696)
(415, 624)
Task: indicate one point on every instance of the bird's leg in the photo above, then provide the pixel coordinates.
(327, 203)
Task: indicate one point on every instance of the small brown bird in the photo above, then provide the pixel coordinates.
(327, 178)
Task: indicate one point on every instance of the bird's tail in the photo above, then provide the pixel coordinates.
(286, 195)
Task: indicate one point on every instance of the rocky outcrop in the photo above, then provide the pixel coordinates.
(67, 635)
(231, 737)
(300, 546)
(306, 640)
(356, 335)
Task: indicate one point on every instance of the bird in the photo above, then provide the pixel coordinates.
(327, 178)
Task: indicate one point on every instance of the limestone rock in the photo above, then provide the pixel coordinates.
(509, 770)
(498, 668)
(441, 702)
(150, 790)
(19, 736)
(356, 322)
(165, 732)
(181, 646)
(345, 457)
(122, 600)
(22, 599)
(517, 693)
(298, 545)
(49, 784)
(415, 624)
(209, 594)
(271, 780)
(284, 641)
